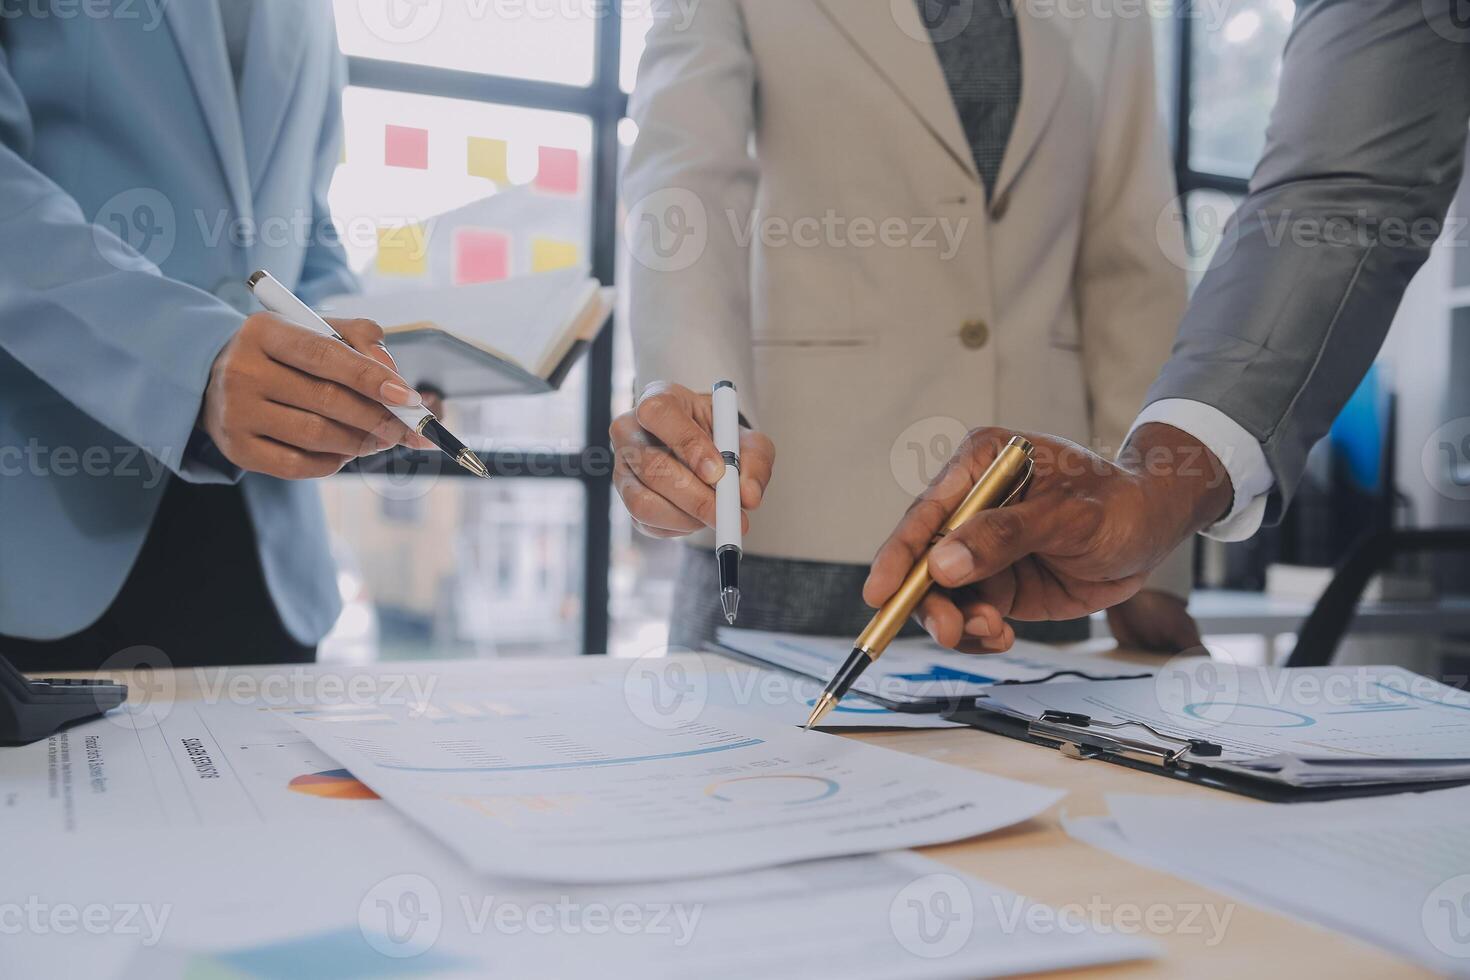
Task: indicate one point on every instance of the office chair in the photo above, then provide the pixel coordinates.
(1324, 628)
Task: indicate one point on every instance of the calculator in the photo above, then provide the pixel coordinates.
(33, 709)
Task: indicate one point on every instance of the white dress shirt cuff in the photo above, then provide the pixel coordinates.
(1239, 452)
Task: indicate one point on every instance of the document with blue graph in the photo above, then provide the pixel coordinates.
(919, 673)
(579, 786)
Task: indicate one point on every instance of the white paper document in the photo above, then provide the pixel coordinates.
(920, 669)
(780, 695)
(578, 786)
(173, 765)
(374, 899)
(1394, 871)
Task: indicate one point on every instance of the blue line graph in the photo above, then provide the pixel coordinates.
(939, 672)
(1225, 713)
(852, 707)
(587, 764)
(1421, 698)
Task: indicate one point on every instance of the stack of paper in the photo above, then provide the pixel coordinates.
(579, 787)
(213, 839)
(1393, 870)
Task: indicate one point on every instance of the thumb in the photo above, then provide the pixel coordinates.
(989, 542)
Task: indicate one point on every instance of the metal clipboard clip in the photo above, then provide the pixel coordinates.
(1079, 736)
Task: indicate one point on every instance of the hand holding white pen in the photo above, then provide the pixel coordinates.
(294, 405)
(666, 464)
(339, 398)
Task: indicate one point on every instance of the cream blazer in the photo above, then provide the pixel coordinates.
(804, 217)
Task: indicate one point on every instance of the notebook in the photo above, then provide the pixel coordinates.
(515, 336)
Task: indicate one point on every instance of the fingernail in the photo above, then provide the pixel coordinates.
(952, 560)
(979, 626)
(709, 470)
(397, 394)
(928, 624)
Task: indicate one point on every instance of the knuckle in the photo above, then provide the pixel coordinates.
(691, 447)
(704, 508)
(322, 398)
(365, 329)
(316, 430)
(765, 449)
(368, 375)
(639, 501)
(1003, 530)
(985, 439)
(256, 325)
(656, 407)
(622, 428)
(316, 352)
(661, 468)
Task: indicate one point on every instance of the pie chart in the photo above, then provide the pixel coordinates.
(335, 784)
(779, 789)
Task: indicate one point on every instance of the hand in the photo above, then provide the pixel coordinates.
(1084, 537)
(286, 401)
(1155, 621)
(662, 444)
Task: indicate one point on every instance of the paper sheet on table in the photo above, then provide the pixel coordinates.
(775, 694)
(1263, 717)
(1394, 871)
(580, 786)
(223, 764)
(233, 760)
(371, 899)
(919, 669)
(229, 758)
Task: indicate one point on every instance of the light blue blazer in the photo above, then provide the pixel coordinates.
(136, 194)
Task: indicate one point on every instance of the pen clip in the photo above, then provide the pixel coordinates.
(1021, 484)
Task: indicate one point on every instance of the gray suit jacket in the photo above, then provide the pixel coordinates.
(1362, 159)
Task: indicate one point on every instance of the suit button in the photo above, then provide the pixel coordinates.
(974, 334)
(236, 293)
(999, 207)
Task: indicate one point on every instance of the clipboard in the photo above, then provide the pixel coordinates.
(1137, 745)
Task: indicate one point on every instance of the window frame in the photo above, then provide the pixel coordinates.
(1186, 178)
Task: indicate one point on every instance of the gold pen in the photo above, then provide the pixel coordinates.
(1003, 480)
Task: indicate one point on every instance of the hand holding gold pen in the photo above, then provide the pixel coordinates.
(1003, 481)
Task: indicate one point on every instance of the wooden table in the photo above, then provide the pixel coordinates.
(1038, 858)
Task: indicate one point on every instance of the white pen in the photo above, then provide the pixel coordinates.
(727, 496)
(285, 304)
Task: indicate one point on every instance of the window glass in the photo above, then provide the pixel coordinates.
(637, 19)
(544, 40)
(1205, 216)
(1166, 43)
(443, 191)
(1237, 65)
(641, 578)
(432, 565)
